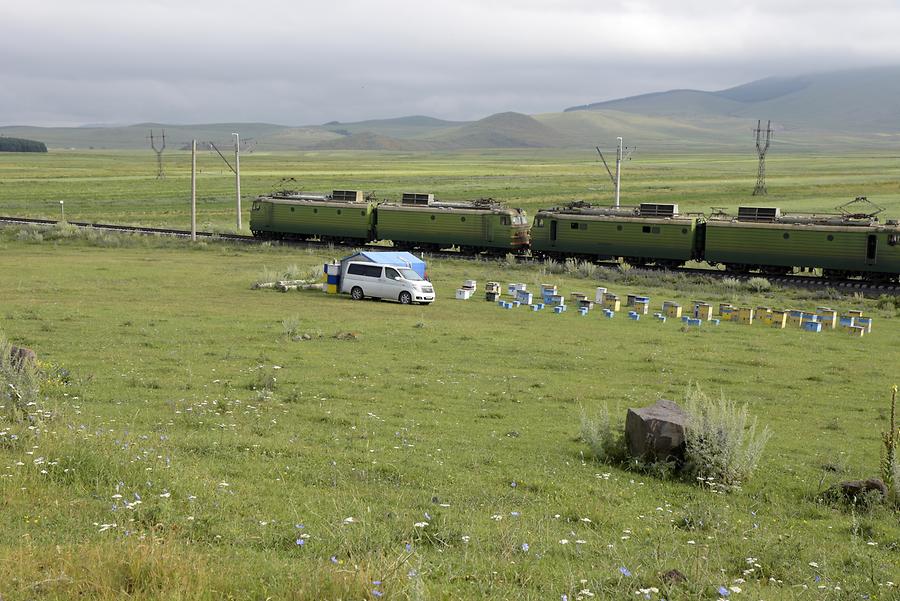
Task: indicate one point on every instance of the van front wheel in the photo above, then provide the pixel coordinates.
(356, 293)
(405, 298)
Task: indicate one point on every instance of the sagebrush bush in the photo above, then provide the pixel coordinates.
(722, 442)
(758, 284)
(606, 442)
(19, 386)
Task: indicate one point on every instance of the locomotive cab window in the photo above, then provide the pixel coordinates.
(646, 229)
(505, 220)
(519, 219)
(573, 225)
(894, 239)
(539, 222)
(650, 230)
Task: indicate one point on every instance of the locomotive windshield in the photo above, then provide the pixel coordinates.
(519, 219)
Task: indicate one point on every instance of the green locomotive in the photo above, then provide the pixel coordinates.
(344, 216)
(649, 233)
(419, 221)
(765, 239)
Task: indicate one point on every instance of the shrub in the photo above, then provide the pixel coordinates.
(587, 269)
(607, 443)
(758, 284)
(19, 387)
(723, 445)
(291, 326)
(731, 283)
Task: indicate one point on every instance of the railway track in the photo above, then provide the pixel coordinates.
(794, 280)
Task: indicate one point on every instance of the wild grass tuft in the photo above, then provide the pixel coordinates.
(723, 445)
(758, 284)
(606, 442)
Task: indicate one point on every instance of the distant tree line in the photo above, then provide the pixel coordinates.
(21, 145)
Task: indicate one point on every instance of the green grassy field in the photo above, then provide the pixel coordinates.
(409, 452)
(121, 186)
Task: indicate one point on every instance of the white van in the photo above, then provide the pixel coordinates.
(386, 281)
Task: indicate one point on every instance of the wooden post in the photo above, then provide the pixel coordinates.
(193, 190)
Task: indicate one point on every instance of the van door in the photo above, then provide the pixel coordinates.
(374, 283)
(871, 249)
(390, 285)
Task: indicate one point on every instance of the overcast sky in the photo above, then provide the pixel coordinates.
(70, 62)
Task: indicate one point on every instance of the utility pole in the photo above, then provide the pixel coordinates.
(618, 169)
(194, 190)
(621, 155)
(237, 175)
(761, 148)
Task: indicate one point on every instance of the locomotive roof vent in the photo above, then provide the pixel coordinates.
(348, 196)
(759, 214)
(416, 198)
(650, 209)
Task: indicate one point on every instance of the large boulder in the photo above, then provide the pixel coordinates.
(656, 432)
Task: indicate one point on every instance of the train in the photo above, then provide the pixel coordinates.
(756, 239)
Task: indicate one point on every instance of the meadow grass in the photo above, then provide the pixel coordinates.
(196, 445)
(121, 186)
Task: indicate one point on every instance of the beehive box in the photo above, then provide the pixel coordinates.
(585, 304)
(598, 295)
(464, 293)
(491, 296)
(828, 317)
(778, 319)
(642, 307)
(794, 317)
(865, 322)
(855, 313)
(556, 299)
(725, 309)
(703, 311)
(492, 287)
(611, 302)
(744, 315)
(857, 331)
(634, 315)
(763, 315)
(629, 299)
(812, 326)
(524, 297)
(672, 309)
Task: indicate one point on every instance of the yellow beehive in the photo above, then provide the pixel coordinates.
(744, 315)
(857, 331)
(331, 288)
(672, 310)
(725, 310)
(763, 315)
(703, 311)
(611, 302)
(855, 313)
(642, 307)
(828, 317)
(794, 317)
(865, 322)
(578, 296)
(777, 319)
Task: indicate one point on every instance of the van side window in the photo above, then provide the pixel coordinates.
(390, 273)
(373, 271)
(356, 269)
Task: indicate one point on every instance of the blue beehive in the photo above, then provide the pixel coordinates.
(609, 313)
(714, 322)
(661, 318)
(685, 318)
(558, 309)
(812, 326)
(535, 307)
(693, 322)
(516, 304)
(634, 315)
(583, 311)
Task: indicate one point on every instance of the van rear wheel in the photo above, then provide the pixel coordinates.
(356, 293)
(405, 298)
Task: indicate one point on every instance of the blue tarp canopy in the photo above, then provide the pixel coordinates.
(401, 259)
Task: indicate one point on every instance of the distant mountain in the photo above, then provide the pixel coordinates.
(852, 109)
(859, 101)
(503, 130)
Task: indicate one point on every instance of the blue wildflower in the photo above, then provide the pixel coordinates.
(525, 547)
(625, 571)
(334, 559)
(724, 591)
(408, 548)
(300, 542)
(377, 592)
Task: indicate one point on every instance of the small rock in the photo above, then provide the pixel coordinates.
(858, 490)
(673, 576)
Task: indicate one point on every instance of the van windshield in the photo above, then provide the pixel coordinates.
(411, 275)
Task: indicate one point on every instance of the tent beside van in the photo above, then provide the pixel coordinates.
(400, 259)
